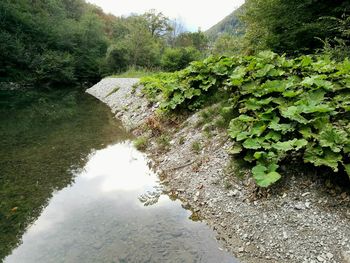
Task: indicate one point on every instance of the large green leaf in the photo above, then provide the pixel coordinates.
(267, 55)
(293, 113)
(271, 86)
(265, 177)
(235, 149)
(236, 127)
(273, 135)
(306, 132)
(318, 81)
(245, 118)
(236, 78)
(253, 143)
(328, 158)
(249, 87)
(258, 129)
(333, 137)
(282, 127)
(264, 71)
(286, 146)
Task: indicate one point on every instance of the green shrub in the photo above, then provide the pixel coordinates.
(280, 107)
(117, 59)
(178, 58)
(54, 67)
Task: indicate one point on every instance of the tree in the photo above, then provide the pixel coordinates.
(227, 44)
(67, 35)
(143, 48)
(339, 46)
(158, 24)
(92, 46)
(192, 39)
(117, 59)
(177, 27)
(290, 26)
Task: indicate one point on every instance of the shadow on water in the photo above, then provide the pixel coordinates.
(74, 189)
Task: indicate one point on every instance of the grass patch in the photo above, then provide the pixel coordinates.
(227, 184)
(196, 147)
(135, 73)
(112, 91)
(163, 142)
(141, 143)
(134, 88)
(182, 140)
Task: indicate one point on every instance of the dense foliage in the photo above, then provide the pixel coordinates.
(291, 27)
(284, 107)
(178, 58)
(50, 41)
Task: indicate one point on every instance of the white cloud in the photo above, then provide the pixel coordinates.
(195, 13)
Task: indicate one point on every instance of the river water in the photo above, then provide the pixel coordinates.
(74, 189)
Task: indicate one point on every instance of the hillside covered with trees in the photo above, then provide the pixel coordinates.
(292, 27)
(60, 41)
(230, 25)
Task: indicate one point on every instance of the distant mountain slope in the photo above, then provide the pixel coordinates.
(230, 24)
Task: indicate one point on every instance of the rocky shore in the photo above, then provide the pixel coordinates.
(298, 220)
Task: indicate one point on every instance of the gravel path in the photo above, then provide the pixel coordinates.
(297, 221)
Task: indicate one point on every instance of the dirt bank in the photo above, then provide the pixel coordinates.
(299, 220)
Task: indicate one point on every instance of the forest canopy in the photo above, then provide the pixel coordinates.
(68, 41)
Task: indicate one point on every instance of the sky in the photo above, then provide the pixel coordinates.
(194, 14)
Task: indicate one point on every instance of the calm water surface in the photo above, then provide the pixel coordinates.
(74, 189)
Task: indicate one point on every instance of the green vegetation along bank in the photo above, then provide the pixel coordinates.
(276, 108)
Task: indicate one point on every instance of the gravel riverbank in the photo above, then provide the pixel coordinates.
(299, 220)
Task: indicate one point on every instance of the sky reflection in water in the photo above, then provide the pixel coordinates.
(100, 219)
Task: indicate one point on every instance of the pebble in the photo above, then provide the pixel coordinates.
(232, 193)
(299, 206)
(320, 259)
(329, 255)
